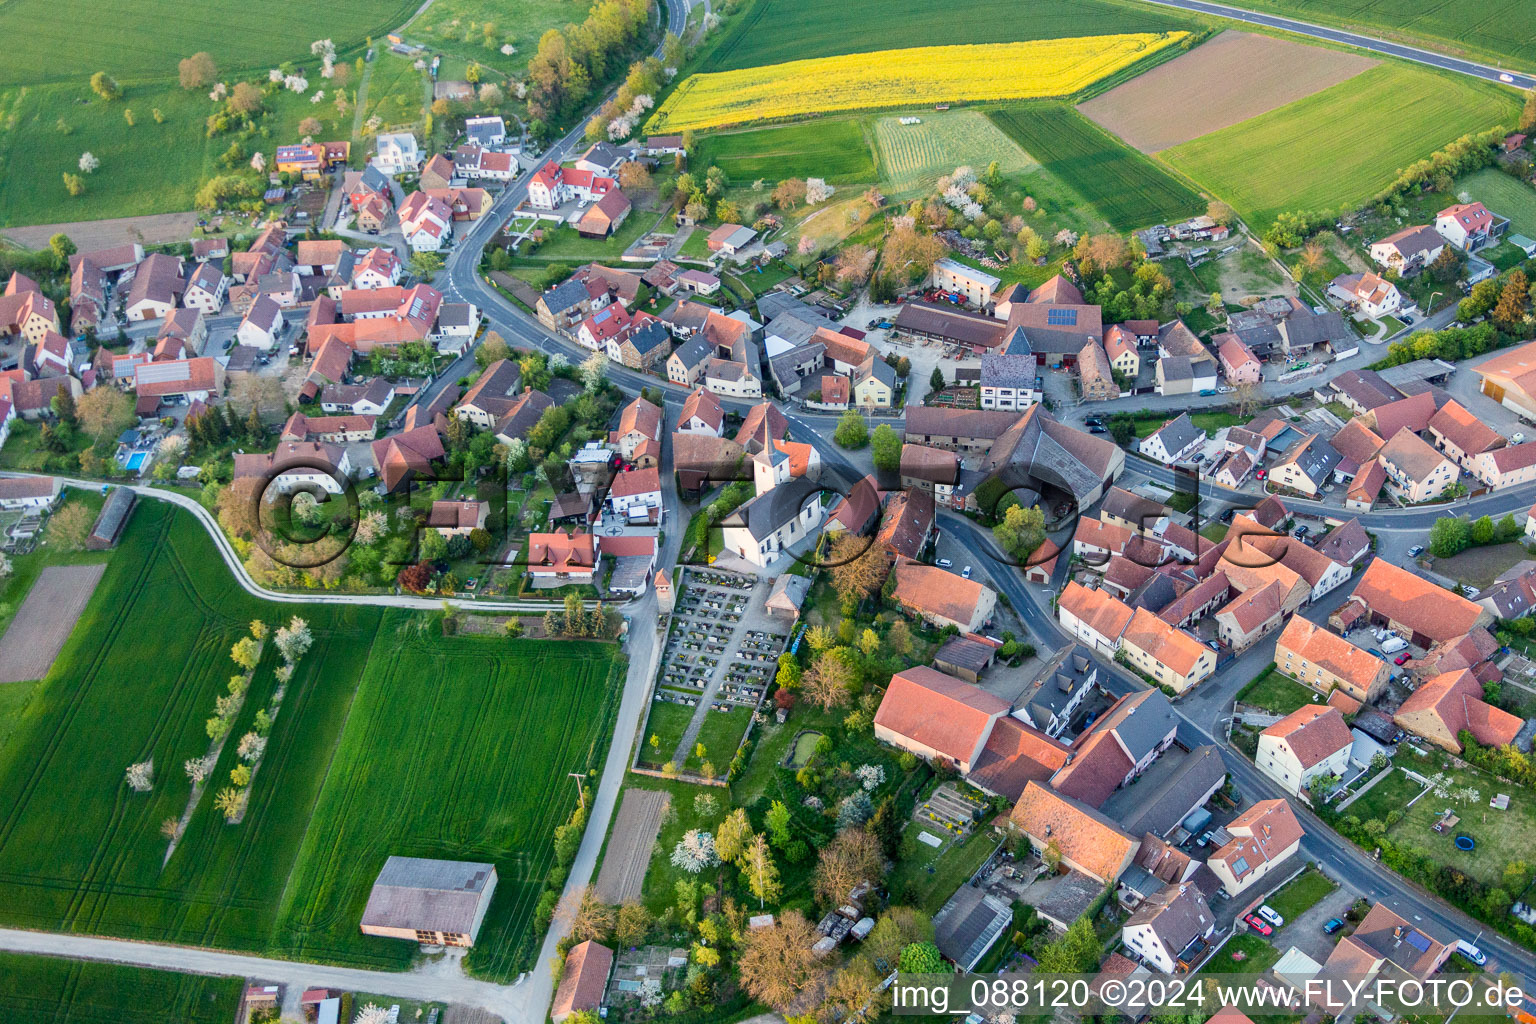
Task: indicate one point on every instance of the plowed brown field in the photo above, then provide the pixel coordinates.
(1235, 76)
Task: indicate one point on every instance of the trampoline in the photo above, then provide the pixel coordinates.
(1465, 843)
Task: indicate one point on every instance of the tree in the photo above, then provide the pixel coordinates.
(899, 637)
(817, 191)
(1021, 531)
(425, 265)
(852, 857)
(936, 379)
(74, 184)
(1513, 300)
(777, 821)
(1247, 397)
(63, 248)
(762, 876)
(141, 776)
(311, 126)
(695, 851)
(103, 85)
(1448, 536)
(230, 802)
(1482, 530)
(858, 567)
(197, 71)
(1107, 251)
(594, 372)
(252, 746)
(293, 640)
(828, 683)
(1446, 266)
(1221, 213)
(245, 653)
(921, 958)
(594, 919)
(245, 98)
(852, 432)
(632, 923)
(128, 116)
(885, 447)
(491, 350)
(70, 526)
(1076, 952)
(789, 193)
(776, 963)
(372, 1013)
(733, 835)
(634, 176)
(88, 162)
(896, 929)
(1528, 112)
(104, 412)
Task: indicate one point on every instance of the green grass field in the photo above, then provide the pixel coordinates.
(41, 988)
(477, 29)
(1492, 28)
(781, 30)
(914, 156)
(1277, 694)
(380, 748)
(1333, 149)
(1505, 195)
(395, 92)
(1127, 189)
(1300, 894)
(145, 40)
(835, 149)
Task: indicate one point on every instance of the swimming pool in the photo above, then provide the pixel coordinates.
(136, 461)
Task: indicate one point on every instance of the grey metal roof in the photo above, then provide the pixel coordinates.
(785, 366)
(428, 895)
(1316, 328)
(1160, 810)
(647, 338)
(881, 371)
(1316, 459)
(694, 351)
(1142, 727)
(1071, 670)
(965, 928)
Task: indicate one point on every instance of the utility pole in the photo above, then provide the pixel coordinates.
(581, 794)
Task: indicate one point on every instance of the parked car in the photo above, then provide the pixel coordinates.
(1416, 551)
(1269, 915)
(1207, 392)
(1227, 514)
(1471, 952)
(1225, 389)
(1332, 925)
(1518, 437)
(1096, 429)
(1257, 924)
(1205, 839)
(966, 572)
(1401, 659)
(1261, 474)
(1302, 531)
(1392, 643)
(944, 563)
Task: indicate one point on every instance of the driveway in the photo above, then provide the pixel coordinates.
(1305, 931)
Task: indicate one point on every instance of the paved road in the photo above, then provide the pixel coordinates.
(417, 985)
(1335, 35)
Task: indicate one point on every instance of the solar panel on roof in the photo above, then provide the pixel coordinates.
(1418, 940)
(1061, 317)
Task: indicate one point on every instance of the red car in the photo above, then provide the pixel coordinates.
(1258, 924)
(1401, 659)
(1261, 474)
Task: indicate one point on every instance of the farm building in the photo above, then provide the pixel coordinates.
(113, 517)
(433, 902)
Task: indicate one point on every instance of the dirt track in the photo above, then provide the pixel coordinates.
(629, 847)
(101, 234)
(44, 622)
(1235, 76)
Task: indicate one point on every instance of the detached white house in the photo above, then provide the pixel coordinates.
(1368, 293)
(396, 153)
(1175, 441)
(426, 222)
(1169, 930)
(262, 324)
(1310, 742)
(765, 527)
(31, 493)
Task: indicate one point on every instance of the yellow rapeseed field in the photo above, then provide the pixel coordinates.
(889, 78)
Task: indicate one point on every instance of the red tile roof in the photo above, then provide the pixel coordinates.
(1085, 837)
(1314, 733)
(938, 711)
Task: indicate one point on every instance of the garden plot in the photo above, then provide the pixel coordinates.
(45, 620)
(622, 877)
(914, 155)
(1233, 77)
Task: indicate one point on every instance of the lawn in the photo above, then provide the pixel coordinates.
(1256, 954)
(42, 988)
(782, 30)
(1497, 29)
(145, 40)
(1328, 150)
(913, 156)
(326, 807)
(1276, 693)
(835, 149)
(1506, 195)
(937, 873)
(1300, 894)
(1127, 189)
(721, 735)
(1481, 566)
(564, 245)
(1503, 837)
(478, 29)
(396, 91)
(667, 722)
(1390, 794)
(25, 570)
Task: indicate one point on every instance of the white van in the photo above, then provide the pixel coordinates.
(1393, 643)
(1471, 952)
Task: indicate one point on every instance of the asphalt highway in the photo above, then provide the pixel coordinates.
(1335, 35)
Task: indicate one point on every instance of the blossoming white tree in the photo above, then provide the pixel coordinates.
(141, 776)
(88, 162)
(198, 768)
(695, 851)
(294, 640)
(817, 190)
